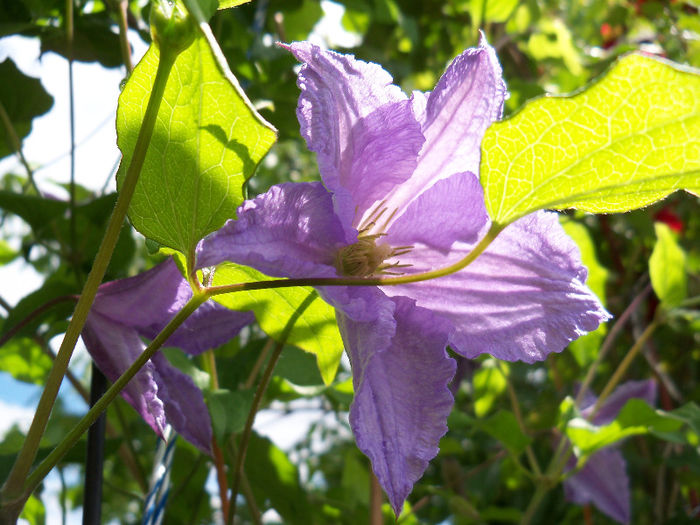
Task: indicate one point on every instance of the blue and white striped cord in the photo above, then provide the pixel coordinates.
(154, 507)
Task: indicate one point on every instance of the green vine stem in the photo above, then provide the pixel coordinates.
(624, 365)
(122, 12)
(259, 392)
(72, 437)
(14, 486)
(69, 20)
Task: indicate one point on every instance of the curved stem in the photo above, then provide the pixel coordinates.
(623, 366)
(363, 281)
(220, 477)
(259, 392)
(13, 487)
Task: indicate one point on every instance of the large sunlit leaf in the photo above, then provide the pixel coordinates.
(206, 143)
(667, 267)
(630, 139)
(316, 330)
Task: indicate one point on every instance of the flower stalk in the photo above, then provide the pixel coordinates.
(363, 281)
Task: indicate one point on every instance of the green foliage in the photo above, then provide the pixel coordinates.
(489, 384)
(621, 144)
(56, 287)
(24, 360)
(187, 502)
(585, 348)
(226, 4)
(667, 268)
(22, 99)
(504, 427)
(229, 411)
(36, 211)
(315, 331)
(635, 418)
(7, 254)
(206, 144)
(276, 479)
(51, 226)
(34, 511)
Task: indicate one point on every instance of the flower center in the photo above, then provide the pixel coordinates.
(365, 257)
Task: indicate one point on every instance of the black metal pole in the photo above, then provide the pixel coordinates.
(92, 501)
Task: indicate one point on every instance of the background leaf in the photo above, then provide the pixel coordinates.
(206, 143)
(23, 98)
(667, 267)
(24, 360)
(7, 254)
(635, 418)
(504, 427)
(585, 348)
(489, 383)
(630, 139)
(226, 4)
(276, 479)
(315, 331)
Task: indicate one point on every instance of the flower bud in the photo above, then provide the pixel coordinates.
(172, 27)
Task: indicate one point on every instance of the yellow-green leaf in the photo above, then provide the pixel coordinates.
(226, 4)
(316, 330)
(207, 142)
(667, 267)
(628, 140)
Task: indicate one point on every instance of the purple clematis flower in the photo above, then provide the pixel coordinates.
(603, 480)
(400, 195)
(124, 311)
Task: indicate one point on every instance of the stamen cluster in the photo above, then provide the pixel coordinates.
(365, 257)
